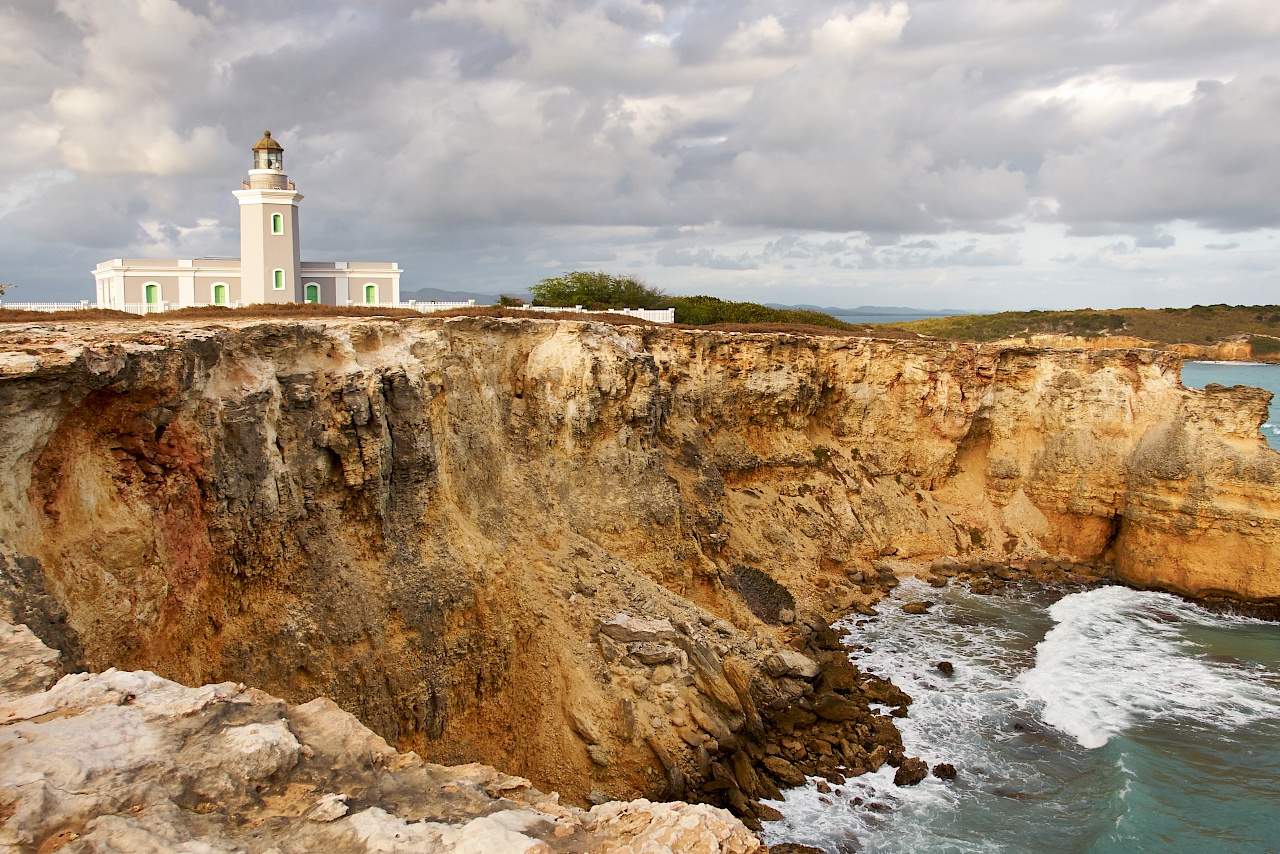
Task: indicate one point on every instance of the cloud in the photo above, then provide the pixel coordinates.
(671, 257)
(483, 139)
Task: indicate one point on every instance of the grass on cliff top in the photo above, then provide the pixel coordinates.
(1200, 324)
(602, 291)
(300, 311)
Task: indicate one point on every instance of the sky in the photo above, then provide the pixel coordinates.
(972, 154)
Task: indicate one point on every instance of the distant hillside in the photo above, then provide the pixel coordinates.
(1200, 324)
(869, 310)
(438, 295)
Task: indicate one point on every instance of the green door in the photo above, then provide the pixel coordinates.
(153, 297)
(313, 293)
(219, 294)
(370, 294)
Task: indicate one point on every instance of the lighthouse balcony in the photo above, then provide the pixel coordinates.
(267, 180)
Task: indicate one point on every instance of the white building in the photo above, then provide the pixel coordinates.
(269, 269)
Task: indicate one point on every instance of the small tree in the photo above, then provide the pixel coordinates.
(4, 287)
(597, 290)
(508, 301)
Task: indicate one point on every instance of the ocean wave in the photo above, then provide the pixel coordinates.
(1118, 658)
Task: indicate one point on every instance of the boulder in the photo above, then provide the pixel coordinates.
(764, 812)
(947, 566)
(791, 718)
(833, 707)
(628, 629)
(840, 675)
(584, 727)
(944, 771)
(653, 653)
(916, 607)
(787, 774)
(788, 662)
(911, 772)
(946, 668)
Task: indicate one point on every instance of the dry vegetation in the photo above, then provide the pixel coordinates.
(1199, 324)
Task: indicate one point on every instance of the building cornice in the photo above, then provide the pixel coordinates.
(150, 267)
(268, 197)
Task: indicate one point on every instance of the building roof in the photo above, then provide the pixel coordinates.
(267, 143)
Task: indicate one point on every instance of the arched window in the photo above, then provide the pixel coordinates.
(277, 280)
(370, 294)
(313, 292)
(277, 223)
(219, 293)
(152, 295)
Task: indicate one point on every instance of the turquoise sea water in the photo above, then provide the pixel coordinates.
(1107, 721)
(1200, 374)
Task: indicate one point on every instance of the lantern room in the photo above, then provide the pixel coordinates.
(268, 154)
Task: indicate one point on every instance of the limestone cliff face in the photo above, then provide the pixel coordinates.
(428, 520)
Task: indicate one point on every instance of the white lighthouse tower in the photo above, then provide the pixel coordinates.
(270, 269)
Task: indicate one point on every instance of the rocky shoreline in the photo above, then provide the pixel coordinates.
(815, 717)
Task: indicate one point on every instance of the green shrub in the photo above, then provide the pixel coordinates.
(596, 291)
(1261, 345)
(704, 311)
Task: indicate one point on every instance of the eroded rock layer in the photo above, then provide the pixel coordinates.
(584, 553)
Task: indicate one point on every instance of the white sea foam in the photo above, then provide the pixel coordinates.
(947, 718)
(1024, 785)
(1120, 657)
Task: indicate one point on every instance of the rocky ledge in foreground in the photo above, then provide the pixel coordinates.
(128, 761)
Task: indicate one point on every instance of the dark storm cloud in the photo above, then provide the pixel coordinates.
(424, 130)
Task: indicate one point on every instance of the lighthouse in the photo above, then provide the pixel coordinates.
(270, 269)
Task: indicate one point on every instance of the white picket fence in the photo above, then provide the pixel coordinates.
(663, 315)
(46, 306)
(424, 307)
(657, 315)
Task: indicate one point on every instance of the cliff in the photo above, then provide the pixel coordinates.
(586, 554)
(1238, 349)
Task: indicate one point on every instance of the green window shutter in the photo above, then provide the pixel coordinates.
(279, 280)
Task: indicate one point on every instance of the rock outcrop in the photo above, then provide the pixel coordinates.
(590, 555)
(1235, 349)
(129, 762)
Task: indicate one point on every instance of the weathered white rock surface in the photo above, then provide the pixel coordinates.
(629, 629)
(128, 762)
